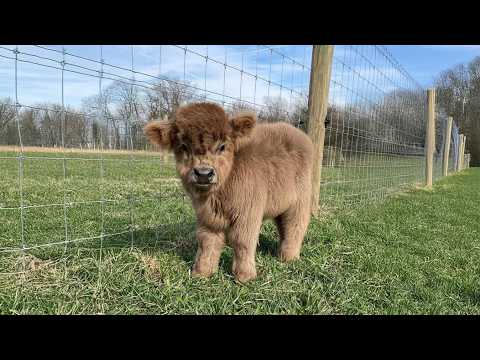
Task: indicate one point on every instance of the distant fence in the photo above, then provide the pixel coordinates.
(71, 121)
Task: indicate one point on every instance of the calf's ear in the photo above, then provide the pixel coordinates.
(243, 124)
(158, 132)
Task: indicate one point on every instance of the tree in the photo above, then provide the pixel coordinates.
(458, 95)
(129, 108)
(118, 105)
(274, 109)
(164, 98)
(50, 124)
(76, 129)
(28, 128)
(96, 134)
(299, 115)
(101, 108)
(240, 106)
(7, 117)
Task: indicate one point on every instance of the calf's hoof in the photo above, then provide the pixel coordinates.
(244, 276)
(202, 273)
(287, 255)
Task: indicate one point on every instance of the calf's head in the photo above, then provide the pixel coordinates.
(204, 140)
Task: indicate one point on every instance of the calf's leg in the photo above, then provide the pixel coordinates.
(210, 246)
(292, 225)
(243, 237)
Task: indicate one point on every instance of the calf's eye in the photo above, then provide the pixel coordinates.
(221, 148)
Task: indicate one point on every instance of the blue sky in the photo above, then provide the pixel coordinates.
(280, 70)
(39, 77)
(424, 62)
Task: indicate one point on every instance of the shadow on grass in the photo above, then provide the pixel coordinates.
(174, 238)
(267, 246)
(177, 238)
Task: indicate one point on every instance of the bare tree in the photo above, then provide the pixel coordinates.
(29, 129)
(240, 106)
(458, 94)
(165, 97)
(275, 109)
(102, 107)
(129, 108)
(299, 116)
(7, 116)
(50, 124)
(76, 129)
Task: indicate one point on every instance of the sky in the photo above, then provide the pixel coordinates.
(252, 72)
(425, 62)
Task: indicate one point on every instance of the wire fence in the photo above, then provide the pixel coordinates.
(375, 134)
(77, 170)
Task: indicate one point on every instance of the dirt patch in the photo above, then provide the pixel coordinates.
(151, 267)
(32, 263)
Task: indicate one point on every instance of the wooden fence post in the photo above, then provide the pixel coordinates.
(459, 160)
(459, 146)
(430, 141)
(462, 158)
(446, 145)
(320, 73)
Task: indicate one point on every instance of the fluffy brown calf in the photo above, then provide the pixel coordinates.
(238, 173)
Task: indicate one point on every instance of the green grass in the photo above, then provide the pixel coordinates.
(416, 252)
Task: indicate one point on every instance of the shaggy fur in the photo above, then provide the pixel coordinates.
(261, 171)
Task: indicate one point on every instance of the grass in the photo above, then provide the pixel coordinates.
(415, 253)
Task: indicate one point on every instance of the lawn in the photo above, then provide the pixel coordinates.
(414, 252)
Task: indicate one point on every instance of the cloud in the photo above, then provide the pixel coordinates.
(253, 72)
(364, 74)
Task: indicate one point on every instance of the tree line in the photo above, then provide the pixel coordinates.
(115, 119)
(458, 95)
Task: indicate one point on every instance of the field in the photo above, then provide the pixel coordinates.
(124, 236)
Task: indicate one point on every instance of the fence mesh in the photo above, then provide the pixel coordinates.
(78, 172)
(374, 141)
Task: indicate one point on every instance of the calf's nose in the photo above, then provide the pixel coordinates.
(204, 175)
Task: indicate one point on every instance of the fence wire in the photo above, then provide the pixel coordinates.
(78, 172)
(375, 128)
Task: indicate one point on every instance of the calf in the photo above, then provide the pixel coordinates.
(237, 174)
